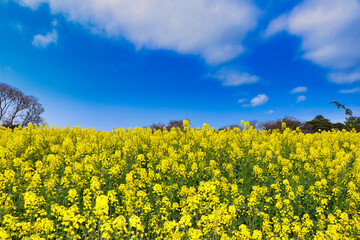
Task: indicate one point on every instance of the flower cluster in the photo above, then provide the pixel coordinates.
(74, 183)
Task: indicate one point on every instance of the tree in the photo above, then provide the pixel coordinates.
(339, 105)
(290, 122)
(338, 126)
(176, 124)
(157, 126)
(318, 123)
(169, 126)
(254, 123)
(18, 109)
(351, 122)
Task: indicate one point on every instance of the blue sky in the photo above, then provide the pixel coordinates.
(118, 63)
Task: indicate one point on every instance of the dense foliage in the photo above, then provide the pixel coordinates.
(192, 184)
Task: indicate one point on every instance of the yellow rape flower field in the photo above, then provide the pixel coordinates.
(193, 184)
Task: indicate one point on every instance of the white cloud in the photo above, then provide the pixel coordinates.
(45, 40)
(19, 27)
(230, 77)
(269, 112)
(277, 25)
(330, 31)
(33, 4)
(212, 29)
(344, 77)
(242, 100)
(298, 90)
(300, 98)
(54, 23)
(260, 99)
(353, 90)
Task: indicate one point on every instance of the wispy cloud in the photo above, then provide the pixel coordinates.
(329, 29)
(298, 90)
(54, 23)
(212, 29)
(260, 99)
(231, 77)
(45, 40)
(269, 112)
(344, 77)
(19, 27)
(300, 98)
(353, 90)
(242, 100)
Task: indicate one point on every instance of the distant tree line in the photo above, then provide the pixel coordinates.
(319, 123)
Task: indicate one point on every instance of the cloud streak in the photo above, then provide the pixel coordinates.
(300, 98)
(344, 77)
(230, 77)
(347, 91)
(242, 100)
(298, 90)
(212, 29)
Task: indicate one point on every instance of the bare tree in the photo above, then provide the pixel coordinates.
(16, 108)
(157, 126)
(169, 126)
(176, 124)
(254, 123)
(291, 123)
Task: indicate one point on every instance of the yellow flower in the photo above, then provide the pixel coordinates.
(158, 189)
(194, 234)
(135, 222)
(185, 221)
(75, 183)
(102, 206)
(257, 235)
(3, 234)
(119, 224)
(72, 195)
